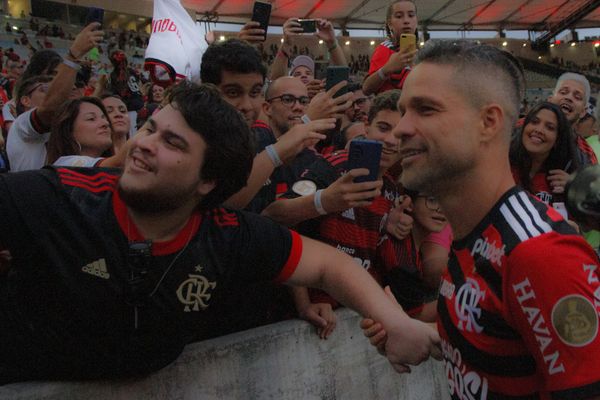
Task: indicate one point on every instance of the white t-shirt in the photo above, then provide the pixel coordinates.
(77, 161)
(6, 113)
(26, 148)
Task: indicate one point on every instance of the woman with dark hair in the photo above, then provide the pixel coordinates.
(390, 65)
(155, 96)
(81, 135)
(119, 119)
(543, 153)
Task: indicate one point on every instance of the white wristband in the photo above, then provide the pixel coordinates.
(305, 119)
(272, 153)
(71, 64)
(318, 204)
(381, 74)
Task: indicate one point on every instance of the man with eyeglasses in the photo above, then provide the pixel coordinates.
(360, 106)
(37, 102)
(236, 68)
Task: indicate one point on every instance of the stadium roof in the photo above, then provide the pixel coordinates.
(540, 15)
(434, 14)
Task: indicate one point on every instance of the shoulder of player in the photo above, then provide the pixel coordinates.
(93, 180)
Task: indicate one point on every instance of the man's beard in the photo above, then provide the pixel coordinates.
(432, 180)
(157, 201)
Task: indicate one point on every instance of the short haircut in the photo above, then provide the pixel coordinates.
(229, 147)
(232, 55)
(42, 62)
(24, 88)
(385, 101)
(572, 76)
(483, 73)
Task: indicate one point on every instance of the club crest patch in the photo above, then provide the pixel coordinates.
(575, 320)
(304, 187)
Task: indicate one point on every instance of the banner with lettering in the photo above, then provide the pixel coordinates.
(176, 44)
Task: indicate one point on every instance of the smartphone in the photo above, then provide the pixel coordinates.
(261, 13)
(336, 74)
(408, 41)
(365, 154)
(94, 14)
(308, 25)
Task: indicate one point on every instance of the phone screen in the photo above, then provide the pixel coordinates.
(262, 14)
(365, 154)
(94, 14)
(335, 75)
(308, 25)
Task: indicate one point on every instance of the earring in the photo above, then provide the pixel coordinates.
(79, 145)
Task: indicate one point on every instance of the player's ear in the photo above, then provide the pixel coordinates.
(492, 121)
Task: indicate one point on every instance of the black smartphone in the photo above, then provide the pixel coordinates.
(336, 74)
(308, 25)
(94, 14)
(261, 13)
(365, 153)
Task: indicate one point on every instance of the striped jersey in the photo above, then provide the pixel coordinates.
(519, 307)
(380, 57)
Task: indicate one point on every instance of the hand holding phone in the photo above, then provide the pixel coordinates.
(335, 75)
(308, 25)
(408, 42)
(261, 13)
(365, 154)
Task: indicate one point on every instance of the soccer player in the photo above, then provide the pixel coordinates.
(518, 306)
(112, 276)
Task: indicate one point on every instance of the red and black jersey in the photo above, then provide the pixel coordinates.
(282, 177)
(380, 57)
(519, 307)
(539, 186)
(359, 232)
(82, 301)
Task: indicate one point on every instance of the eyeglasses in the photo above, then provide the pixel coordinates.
(42, 86)
(431, 203)
(290, 100)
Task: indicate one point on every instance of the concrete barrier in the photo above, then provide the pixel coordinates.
(281, 361)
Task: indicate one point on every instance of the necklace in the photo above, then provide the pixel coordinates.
(140, 253)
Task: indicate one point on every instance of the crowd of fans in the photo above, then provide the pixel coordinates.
(284, 154)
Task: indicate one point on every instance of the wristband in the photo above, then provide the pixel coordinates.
(332, 48)
(305, 118)
(318, 204)
(382, 74)
(272, 153)
(70, 54)
(71, 64)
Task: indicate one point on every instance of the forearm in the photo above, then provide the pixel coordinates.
(300, 297)
(337, 55)
(371, 84)
(58, 92)
(342, 278)
(291, 212)
(279, 67)
(262, 168)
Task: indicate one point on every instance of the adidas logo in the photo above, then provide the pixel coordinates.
(349, 213)
(97, 268)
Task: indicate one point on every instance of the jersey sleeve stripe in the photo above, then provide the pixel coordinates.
(523, 215)
(582, 392)
(513, 223)
(543, 225)
(293, 259)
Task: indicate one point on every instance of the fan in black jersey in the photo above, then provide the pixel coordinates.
(111, 276)
(519, 304)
